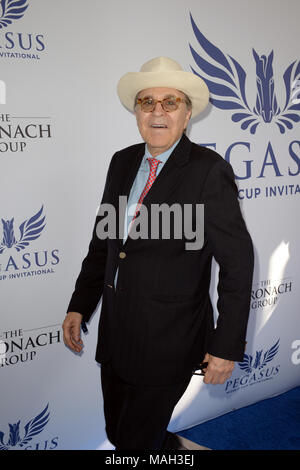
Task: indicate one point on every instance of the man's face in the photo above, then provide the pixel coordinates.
(161, 129)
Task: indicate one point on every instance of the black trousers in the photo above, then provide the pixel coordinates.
(137, 416)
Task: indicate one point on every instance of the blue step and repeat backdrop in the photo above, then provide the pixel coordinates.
(60, 123)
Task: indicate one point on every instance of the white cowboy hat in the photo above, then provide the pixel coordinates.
(163, 72)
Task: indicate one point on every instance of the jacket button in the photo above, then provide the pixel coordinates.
(122, 255)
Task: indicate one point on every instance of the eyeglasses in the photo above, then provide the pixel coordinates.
(168, 104)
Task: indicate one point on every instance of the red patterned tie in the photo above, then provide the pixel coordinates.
(153, 162)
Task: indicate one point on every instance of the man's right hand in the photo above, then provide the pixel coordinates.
(71, 329)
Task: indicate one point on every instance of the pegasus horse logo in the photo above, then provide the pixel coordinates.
(11, 10)
(32, 428)
(266, 103)
(226, 80)
(249, 363)
(29, 230)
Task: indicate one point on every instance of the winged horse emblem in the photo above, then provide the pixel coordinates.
(261, 360)
(11, 10)
(32, 428)
(226, 80)
(30, 230)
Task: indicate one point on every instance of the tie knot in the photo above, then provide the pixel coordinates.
(153, 162)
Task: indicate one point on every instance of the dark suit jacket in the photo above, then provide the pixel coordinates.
(158, 323)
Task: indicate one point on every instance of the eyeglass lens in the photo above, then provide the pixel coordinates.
(168, 104)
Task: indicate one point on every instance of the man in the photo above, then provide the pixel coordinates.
(156, 323)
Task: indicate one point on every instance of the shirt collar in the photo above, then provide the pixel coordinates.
(163, 157)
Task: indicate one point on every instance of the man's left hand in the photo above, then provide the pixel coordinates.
(218, 370)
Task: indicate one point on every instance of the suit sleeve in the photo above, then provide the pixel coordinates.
(89, 284)
(232, 248)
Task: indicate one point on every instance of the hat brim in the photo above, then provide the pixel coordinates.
(190, 84)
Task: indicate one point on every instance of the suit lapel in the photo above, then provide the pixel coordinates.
(168, 178)
(170, 175)
(133, 168)
(129, 175)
